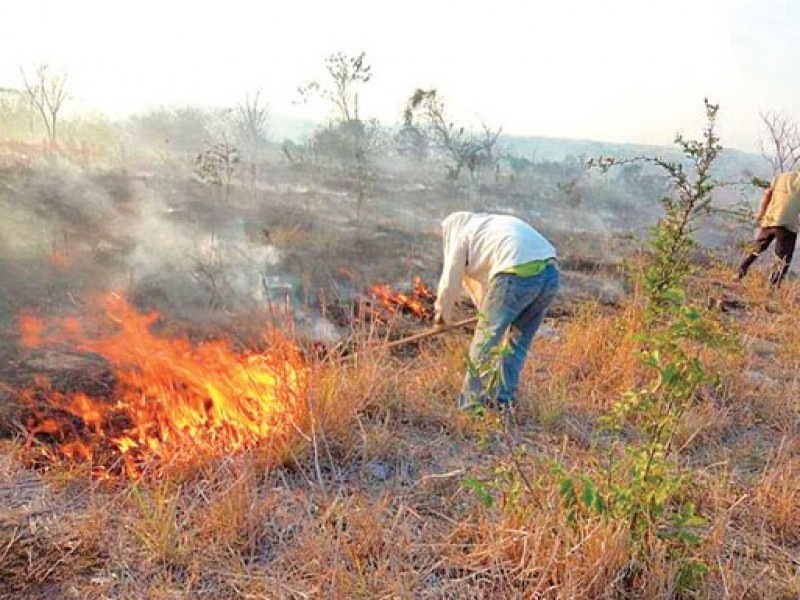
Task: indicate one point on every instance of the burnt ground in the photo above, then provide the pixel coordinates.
(291, 250)
(223, 267)
(198, 255)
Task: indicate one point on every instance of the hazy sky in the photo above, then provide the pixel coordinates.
(616, 70)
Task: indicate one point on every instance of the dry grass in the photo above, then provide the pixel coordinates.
(371, 499)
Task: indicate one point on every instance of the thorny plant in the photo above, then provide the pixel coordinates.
(644, 483)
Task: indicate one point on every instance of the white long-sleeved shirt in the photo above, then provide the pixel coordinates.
(478, 246)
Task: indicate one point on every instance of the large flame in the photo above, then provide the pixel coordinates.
(173, 399)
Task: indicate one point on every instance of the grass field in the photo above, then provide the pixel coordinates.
(370, 483)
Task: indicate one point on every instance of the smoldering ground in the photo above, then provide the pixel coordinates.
(289, 236)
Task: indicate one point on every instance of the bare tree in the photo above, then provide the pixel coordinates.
(252, 122)
(782, 146)
(425, 113)
(252, 129)
(46, 92)
(347, 74)
(349, 140)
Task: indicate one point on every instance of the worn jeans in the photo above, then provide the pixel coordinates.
(510, 315)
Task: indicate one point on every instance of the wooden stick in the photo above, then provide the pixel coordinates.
(413, 338)
(430, 333)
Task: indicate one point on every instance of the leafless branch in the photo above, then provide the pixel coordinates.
(782, 145)
(46, 93)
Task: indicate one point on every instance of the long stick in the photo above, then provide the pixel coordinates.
(430, 333)
(413, 338)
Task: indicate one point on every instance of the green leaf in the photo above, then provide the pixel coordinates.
(477, 486)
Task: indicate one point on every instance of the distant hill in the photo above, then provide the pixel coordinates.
(544, 149)
(731, 164)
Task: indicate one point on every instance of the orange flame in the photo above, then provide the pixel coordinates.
(418, 303)
(173, 399)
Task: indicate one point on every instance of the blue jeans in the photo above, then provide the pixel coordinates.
(510, 315)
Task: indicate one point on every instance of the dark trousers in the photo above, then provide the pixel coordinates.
(784, 249)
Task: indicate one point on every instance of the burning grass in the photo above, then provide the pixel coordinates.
(382, 501)
(418, 302)
(173, 401)
(384, 306)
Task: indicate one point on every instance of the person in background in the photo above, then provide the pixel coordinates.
(778, 219)
(509, 271)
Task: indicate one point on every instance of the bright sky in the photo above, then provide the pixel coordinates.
(616, 70)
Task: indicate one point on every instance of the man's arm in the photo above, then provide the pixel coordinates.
(455, 262)
(762, 209)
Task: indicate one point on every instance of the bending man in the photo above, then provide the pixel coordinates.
(777, 217)
(509, 270)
